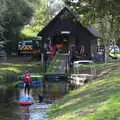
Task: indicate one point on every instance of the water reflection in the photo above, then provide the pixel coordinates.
(25, 114)
(34, 112)
(37, 111)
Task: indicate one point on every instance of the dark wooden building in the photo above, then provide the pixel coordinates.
(66, 33)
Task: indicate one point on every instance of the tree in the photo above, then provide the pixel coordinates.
(2, 30)
(102, 14)
(14, 14)
(97, 11)
(41, 16)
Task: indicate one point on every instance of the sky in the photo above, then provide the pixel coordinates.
(75, 1)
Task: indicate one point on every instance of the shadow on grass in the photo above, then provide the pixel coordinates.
(89, 97)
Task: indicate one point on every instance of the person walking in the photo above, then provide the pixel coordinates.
(27, 80)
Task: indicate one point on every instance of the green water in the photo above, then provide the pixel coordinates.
(9, 107)
(11, 110)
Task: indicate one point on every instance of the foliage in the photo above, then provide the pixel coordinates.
(40, 18)
(16, 14)
(13, 16)
(103, 15)
(2, 30)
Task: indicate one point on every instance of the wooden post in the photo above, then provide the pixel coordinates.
(42, 53)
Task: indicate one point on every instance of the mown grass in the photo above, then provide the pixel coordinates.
(11, 69)
(52, 68)
(98, 100)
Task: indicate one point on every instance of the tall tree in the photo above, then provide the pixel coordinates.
(104, 15)
(15, 15)
(41, 16)
(2, 29)
(97, 12)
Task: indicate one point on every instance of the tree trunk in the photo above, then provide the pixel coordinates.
(106, 53)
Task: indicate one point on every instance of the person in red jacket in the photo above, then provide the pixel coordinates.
(27, 80)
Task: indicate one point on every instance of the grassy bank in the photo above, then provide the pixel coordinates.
(8, 70)
(98, 100)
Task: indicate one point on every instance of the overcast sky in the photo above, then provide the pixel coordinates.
(56, 5)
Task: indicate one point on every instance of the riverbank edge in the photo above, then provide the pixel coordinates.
(97, 100)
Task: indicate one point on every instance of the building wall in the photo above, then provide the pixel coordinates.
(81, 48)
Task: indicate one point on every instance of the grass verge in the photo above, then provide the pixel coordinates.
(9, 71)
(98, 100)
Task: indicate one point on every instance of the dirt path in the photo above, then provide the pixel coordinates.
(19, 59)
(16, 59)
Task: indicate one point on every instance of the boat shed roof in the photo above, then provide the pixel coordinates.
(66, 23)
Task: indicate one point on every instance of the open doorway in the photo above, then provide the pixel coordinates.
(61, 42)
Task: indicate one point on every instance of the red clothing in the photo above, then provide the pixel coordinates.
(52, 50)
(27, 78)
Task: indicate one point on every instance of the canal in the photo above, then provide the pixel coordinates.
(52, 89)
(36, 111)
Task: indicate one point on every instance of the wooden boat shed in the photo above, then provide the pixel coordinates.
(66, 32)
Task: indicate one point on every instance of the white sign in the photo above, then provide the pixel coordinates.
(65, 32)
